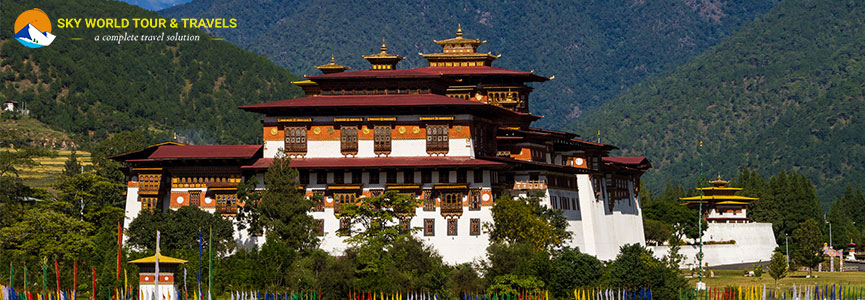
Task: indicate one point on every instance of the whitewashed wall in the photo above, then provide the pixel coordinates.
(755, 242)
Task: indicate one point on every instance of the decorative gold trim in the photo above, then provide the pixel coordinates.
(223, 189)
(381, 119)
(316, 130)
(294, 120)
(344, 187)
(404, 186)
(436, 118)
(415, 129)
(147, 169)
(402, 129)
(273, 131)
(450, 186)
(347, 119)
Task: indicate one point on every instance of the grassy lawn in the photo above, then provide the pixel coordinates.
(736, 278)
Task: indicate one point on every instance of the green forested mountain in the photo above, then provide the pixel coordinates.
(92, 89)
(785, 92)
(596, 49)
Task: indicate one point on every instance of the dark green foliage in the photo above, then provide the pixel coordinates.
(521, 259)
(786, 200)
(808, 244)
(380, 218)
(666, 213)
(524, 220)
(783, 92)
(95, 89)
(122, 142)
(179, 230)
(283, 209)
(72, 166)
(778, 266)
(571, 269)
(595, 49)
(635, 267)
(656, 232)
(847, 219)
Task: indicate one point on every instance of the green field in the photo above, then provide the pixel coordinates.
(736, 278)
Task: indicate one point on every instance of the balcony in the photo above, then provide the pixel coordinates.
(226, 210)
(530, 185)
(455, 208)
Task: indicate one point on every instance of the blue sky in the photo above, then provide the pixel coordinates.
(155, 4)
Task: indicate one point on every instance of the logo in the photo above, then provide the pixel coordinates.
(33, 29)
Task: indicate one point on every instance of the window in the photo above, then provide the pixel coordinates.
(303, 177)
(319, 226)
(391, 176)
(475, 227)
(295, 140)
(344, 224)
(408, 177)
(381, 139)
(479, 176)
(429, 227)
(321, 177)
(429, 203)
(437, 139)
(226, 203)
(356, 177)
(317, 201)
(148, 203)
(461, 176)
(444, 176)
(348, 140)
(149, 183)
(342, 198)
(373, 177)
(452, 226)
(339, 177)
(475, 200)
(404, 224)
(195, 198)
(426, 176)
(452, 203)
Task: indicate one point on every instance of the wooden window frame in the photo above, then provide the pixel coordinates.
(475, 226)
(321, 177)
(342, 198)
(453, 227)
(437, 140)
(426, 176)
(195, 198)
(303, 176)
(356, 177)
(382, 140)
(429, 227)
(295, 142)
(475, 200)
(452, 202)
(348, 140)
(317, 204)
(408, 176)
(445, 176)
(390, 176)
(374, 177)
(462, 176)
(149, 203)
(429, 202)
(339, 177)
(478, 176)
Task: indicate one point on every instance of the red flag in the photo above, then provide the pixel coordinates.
(94, 282)
(75, 277)
(57, 271)
(119, 246)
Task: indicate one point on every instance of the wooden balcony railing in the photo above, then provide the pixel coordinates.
(530, 185)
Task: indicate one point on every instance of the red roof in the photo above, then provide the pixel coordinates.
(205, 151)
(626, 160)
(429, 72)
(365, 100)
(384, 162)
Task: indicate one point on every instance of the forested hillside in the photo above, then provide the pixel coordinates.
(93, 89)
(785, 92)
(596, 49)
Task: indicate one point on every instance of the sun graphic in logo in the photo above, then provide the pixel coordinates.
(33, 29)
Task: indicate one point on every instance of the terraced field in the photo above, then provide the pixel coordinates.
(49, 169)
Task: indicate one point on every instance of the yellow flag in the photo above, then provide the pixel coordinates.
(125, 281)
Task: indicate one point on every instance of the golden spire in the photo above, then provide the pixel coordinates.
(719, 175)
(331, 59)
(383, 46)
(459, 30)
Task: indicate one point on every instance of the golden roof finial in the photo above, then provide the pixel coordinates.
(331, 59)
(459, 30)
(719, 175)
(383, 46)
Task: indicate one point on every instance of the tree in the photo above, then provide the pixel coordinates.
(808, 240)
(45, 232)
(778, 266)
(72, 166)
(11, 161)
(636, 267)
(656, 232)
(524, 220)
(283, 209)
(570, 269)
(179, 230)
(379, 218)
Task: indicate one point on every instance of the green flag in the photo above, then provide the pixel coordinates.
(210, 271)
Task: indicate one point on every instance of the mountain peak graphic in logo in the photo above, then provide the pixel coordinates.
(33, 29)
